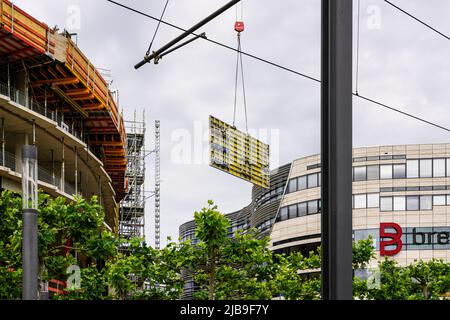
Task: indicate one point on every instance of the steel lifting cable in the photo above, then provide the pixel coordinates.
(157, 28)
(239, 28)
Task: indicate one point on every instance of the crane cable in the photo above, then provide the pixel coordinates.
(157, 28)
(239, 28)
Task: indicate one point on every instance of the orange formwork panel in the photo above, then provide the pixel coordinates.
(23, 26)
(69, 70)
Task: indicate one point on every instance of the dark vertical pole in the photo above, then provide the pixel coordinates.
(336, 149)
(30, 254)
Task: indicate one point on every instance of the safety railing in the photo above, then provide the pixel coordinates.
(24, 100)
(44, 175)
(69, 189)
(8, 160)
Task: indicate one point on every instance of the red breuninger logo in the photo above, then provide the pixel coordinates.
(395, 239)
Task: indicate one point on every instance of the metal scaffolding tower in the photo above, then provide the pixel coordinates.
(132, 207)
(157, 184)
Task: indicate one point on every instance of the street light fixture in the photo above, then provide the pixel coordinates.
(30, 223)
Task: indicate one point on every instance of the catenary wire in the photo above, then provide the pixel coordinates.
(157, 27)
(417, 19)
(284, 68)
(217, 43)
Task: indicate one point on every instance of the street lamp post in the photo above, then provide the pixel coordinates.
(30, 223)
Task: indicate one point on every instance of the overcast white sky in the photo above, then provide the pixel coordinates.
(402, 63)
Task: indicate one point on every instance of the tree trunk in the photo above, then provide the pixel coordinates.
(212, 277)
(425, 291)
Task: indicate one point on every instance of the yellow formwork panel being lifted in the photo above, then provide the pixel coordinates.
(238, 154)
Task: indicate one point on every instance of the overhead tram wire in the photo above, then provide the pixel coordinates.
(216, 42)
(418, 20)
(157, 27)
(283, 67)
(401, 112)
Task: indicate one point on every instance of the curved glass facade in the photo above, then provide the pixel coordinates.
(406, 185)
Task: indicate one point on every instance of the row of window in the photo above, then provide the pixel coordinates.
(419, 168)
(363, 201)
(378, 158)
(413, 203)
(265, 225)
(268, 197)
(233, 229)
(369, 200)
(299, 210)
(413, 238)
(421, 188)
(364, 159)
(305, 182)
(423, 168)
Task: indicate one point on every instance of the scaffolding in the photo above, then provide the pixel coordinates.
(157, 184)
(132, 207)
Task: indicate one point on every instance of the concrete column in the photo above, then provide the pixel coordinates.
(100, 197)
(9, 82)
(21, 140)
(76, 170)
(3, 141)
(53, 166)
(62, 166)
(34, 132)
(20, 85)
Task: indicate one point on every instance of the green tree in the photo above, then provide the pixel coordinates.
(430, 279)
(65, 230)
(142, 272)
(211, 230)
(421, 280)
(243, 267)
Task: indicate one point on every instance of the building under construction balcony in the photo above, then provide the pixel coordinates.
(132, 207)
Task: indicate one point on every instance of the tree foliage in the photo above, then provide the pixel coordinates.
(421, 280)
(240, 267)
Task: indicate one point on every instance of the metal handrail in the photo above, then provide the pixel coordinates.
(43, 174)
(22, 99)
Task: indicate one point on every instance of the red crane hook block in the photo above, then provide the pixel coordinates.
(239, 26)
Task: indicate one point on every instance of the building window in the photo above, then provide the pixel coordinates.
(302, 209)
(438, 168)
(312, 181)
(283, 214)
(359, 174)
(292, 185)
(426, 168)
(373, 200)
(301, 184)
(293, 211)
(399, 204)
(386, 204)
(412, 168)
(439, 201)
(373, 173)
(448, 167)
(313, 207)
(386, 171)
(412, 203)
(319, 178)
(399, 171)
(426, 203)
(360, 201)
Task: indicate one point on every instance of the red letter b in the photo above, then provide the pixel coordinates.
(395, 239)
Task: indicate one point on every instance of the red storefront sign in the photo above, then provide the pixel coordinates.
(395, 239)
